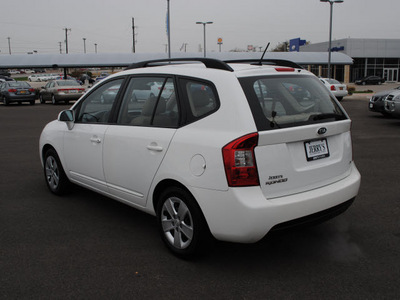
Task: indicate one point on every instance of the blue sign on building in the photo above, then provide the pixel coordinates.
(295, 44)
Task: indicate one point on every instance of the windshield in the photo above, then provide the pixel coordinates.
(287, 101)
(67, 83)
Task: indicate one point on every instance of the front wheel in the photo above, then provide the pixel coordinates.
(56, 180)
(182, 225)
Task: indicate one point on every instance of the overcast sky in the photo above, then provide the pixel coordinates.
(38, 24)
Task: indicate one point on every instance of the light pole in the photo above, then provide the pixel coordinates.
(9, 45)
(95, 48)
(168, 30)
(84, 45)
(331, 2)
(204, 27)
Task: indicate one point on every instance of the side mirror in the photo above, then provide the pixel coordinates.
(67, 116)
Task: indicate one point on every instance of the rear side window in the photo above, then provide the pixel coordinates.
(287, 101)
(201, 98)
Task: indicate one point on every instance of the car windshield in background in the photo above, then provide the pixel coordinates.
(333, 81)
(19, 84)
(288, 101)
(67, 83)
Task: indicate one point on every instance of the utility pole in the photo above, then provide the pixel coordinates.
(133, 35)
(9, 45)
(60, 44)
(95, 48)
(84, 45)
(66, 39)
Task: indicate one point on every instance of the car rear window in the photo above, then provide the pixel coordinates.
(288, 101)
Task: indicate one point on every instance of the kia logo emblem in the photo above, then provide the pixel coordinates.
(322, 130)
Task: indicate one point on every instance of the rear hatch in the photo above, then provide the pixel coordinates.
(304, 134)
(300, 159)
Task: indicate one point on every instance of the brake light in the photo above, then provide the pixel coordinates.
(282, 69)
(239, 161)
(31, 90)
(12, 90)
(333, 88)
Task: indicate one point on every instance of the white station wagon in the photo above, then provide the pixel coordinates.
(229, 151)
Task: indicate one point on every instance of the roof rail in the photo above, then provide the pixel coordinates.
(208, 62)
(276, 62)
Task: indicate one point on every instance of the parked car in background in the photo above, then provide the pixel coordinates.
(392, 103)
(208, 154)
(6, 78)
(17, 91)
(370, 80)
(338, 89)
(34, 77)
(101, 76)
(61, 90)
(377, 101)
(85, 77)
(4, 73)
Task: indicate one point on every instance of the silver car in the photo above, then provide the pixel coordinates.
(392, 103)
(61, 90)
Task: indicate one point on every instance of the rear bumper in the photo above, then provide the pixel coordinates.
(21, 98)
(244, 215)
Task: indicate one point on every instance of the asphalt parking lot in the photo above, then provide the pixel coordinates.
(86, 246)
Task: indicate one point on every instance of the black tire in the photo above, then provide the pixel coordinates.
(5, 101)
(32, 102)
(42, 101)
(181, 223)
(54, 174)
(339, 98)
(53, 100)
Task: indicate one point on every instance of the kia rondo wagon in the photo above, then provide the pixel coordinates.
(229, 151)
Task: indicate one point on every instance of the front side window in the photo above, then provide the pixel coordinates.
(287, 101)
(96, 107)
(149, 101)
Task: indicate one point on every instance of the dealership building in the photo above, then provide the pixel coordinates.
(379, 57)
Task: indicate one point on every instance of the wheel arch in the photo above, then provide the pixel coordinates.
(161, 186)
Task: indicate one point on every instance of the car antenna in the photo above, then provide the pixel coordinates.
(262, 56)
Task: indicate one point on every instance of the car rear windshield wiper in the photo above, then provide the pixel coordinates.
(317, 117)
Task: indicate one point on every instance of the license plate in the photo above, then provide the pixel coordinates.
(23, 92)
(73, 91)
(341, 88)
(316, 149)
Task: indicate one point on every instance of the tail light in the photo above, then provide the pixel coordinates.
(333, 88)
(12, 90)
(31, 90)
(284, 69)
(239, 161)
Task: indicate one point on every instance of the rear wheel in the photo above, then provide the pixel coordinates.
(56, 180)
(42, 101)
(182, 225)
(53, 100)
(5, 101)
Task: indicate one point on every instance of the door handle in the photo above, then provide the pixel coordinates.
(156, 148)
(95, 139)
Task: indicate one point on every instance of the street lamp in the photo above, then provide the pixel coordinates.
(331, 2)
(84, 45)
(204, 26)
